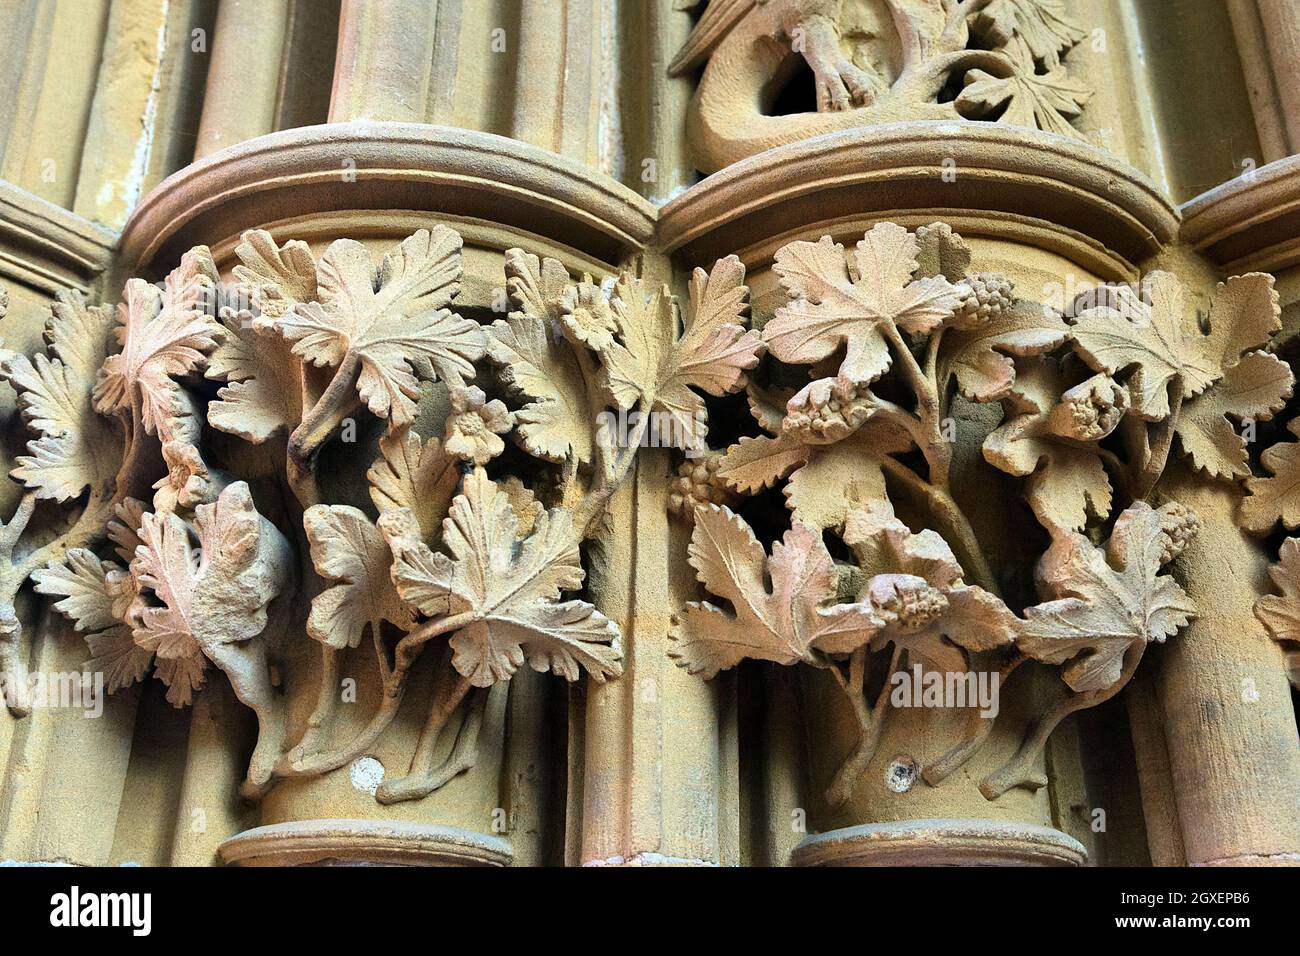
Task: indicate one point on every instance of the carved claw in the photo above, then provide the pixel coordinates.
(841, 85)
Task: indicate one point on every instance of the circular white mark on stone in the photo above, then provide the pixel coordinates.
(901, 774)
(366, 773)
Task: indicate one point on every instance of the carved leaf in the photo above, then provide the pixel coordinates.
(347, 548)
(914, 584)
(834, 301)
(123, 662)
(1105, 601)
(212, 594)
(275, 276)
(76, 448)
(511, 586)
(539, 364)
(825, 481)
(1032, 30)
(79, 335)
(784, 623)
(263, 395)
(652, 365)
(82, 583)
(980, 358)
(1040, 101)
(415, 474)
(1281, 614)
(1067, 481)
(1257, 388)
(163, 335)
(1276, 498)
(392, 321)
(1151, 338)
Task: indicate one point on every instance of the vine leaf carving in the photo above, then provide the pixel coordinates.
(825, 481)
(213, 595)
(1106, 601)
(75, 447)
(837, 302)
(347, 548)
(507, 589)
(914, 584)
(1049, 438)
(1046, 101)
(1275, 498)
(163, 334)
(652, 365)
(1255, 388)
(980, 358)
(784, 623)
(391, 322)
(415, 474)
(262, 395)
(1150, 338)
(1280, 614)
(538, 363)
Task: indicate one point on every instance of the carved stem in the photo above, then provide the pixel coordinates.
(408, 648)
(870, 722)
(423, 777)
(938, 455)
(1018, 771)
(318, 423)
(1158, 454)
(593, 505)
(299, 764)
(978, 728)
(956, 527)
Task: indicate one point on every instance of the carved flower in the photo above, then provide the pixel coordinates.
(827, 410)
(587, 316)
(474, 428)
(1090, 410)
(187, 482)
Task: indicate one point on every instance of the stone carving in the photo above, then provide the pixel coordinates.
(481, 565)
(1280, 614)
(876, 61)
(893, 337)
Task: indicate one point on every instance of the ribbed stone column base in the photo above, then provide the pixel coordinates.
(362, 843)
(941, 843)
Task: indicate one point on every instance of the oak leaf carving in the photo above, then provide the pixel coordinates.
(790, 619)
(1105, 601)
(510, 587)
(834, 301)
